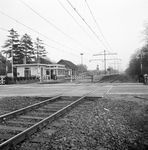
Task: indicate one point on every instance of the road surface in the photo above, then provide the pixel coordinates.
(73, 89)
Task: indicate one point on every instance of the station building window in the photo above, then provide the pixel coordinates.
(61, 72)
(47, 72)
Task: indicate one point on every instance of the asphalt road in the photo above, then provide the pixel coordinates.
(72, 89)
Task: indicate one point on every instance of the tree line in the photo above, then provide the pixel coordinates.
(22, 50)
(138, 64)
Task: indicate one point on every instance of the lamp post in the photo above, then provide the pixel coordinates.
(81, 58)
(82, 61)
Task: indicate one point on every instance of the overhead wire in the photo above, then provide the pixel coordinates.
(98, 26)
(79, 24)
(37, 32)
(87, 24)
(3, 29)
(47, 45)
(96, 23)
(52, 46)
(53, 25)
(64, 51)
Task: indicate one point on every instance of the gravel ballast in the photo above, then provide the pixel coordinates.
(9, 104)
(109, 123)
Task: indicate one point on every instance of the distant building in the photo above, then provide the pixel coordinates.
(69, 67)
(45, 71)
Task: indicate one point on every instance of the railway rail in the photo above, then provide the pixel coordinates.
(109, 78)
(19, 125)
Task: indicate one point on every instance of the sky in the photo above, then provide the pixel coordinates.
(71, 27)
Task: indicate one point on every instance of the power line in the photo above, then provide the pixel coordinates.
(3, 29)
(53, 25)
(65, 51)
(52, 47)
(97, 24)
(36, 32)
(61, 50)
(78, 23)
(87, 24)
(104, 54)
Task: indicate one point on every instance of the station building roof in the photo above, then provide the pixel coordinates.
(68, 64)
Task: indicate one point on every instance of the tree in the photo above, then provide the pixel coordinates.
(45, 61)
(145, 32)
(11, 46)
(3, 65)
(138, 64)
(39, 50)
(26, 47)
(82, 68)
(134, 67)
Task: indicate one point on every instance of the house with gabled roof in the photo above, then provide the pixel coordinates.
(70, 67)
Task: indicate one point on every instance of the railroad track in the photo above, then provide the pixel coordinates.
(109, 79)
(19, 125)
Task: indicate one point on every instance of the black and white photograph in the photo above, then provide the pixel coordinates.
(74, 74)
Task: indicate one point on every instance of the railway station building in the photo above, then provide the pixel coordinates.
(69, 67)
(55, 71)
(46, 71)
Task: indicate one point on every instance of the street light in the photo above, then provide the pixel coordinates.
(81, 58)
(82, 61)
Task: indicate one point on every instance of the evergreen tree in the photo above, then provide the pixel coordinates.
(26, 46)
(11, 47)
(45, 61)
(39, 50)
(3, 64)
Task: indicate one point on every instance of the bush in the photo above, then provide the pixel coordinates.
(19, 80)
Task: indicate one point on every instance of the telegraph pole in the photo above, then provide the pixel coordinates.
(104, 54)
(6, 65)
(12, 55)
(105, 62)
(141, 63)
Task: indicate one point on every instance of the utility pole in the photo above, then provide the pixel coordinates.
(105, 62)
(141, 63)
(6, 65)
(104, 54)
(37, 51)
(12, 55)
(38, 69)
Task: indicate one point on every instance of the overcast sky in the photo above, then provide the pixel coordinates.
(94, 26)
